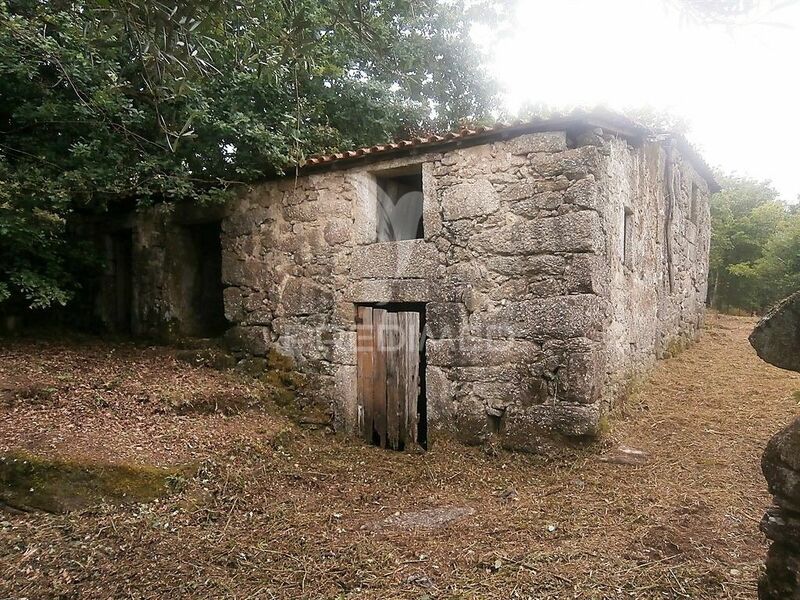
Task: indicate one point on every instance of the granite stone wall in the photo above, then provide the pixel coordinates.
(531, 317)
(658, 293)
(534, 315)
(163, 258)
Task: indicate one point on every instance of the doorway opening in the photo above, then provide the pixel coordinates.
(392, 407)
(201, 280)
(121, 254)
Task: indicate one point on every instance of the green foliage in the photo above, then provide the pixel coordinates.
(755, 246)
(110, 103)
(731, 12)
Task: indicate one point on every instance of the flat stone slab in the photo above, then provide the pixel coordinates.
(431, 518)
(625, 455)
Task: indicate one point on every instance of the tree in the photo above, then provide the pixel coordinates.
(730, 12)
(109, 103)
(755, 246)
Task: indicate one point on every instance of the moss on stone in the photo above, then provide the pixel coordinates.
(284, 380)
(29, 482)
(604, 427)
(278, 361)
(676, 346)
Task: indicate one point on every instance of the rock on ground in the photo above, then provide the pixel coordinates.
(776, 339)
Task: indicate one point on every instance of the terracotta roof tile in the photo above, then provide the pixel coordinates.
(607, 120)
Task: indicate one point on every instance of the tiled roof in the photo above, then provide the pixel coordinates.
(414, 142)
(608, 121)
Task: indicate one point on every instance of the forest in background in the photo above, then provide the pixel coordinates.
(755, 246)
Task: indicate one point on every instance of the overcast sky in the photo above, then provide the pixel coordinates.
(736, 86)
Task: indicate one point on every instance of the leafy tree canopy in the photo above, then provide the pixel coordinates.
(111, 101)
(755, 246)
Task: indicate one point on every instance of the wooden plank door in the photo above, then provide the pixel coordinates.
(388, 376)
(364, 370)
(379, 326)
(410, 351)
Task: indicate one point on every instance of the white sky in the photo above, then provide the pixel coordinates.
(736, 86)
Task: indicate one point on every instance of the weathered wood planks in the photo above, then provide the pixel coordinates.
(388, 376)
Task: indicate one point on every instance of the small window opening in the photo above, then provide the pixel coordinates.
(627, 238)
(399, 204)
(693, 203)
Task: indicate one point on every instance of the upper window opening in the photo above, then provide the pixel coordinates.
(399, 204)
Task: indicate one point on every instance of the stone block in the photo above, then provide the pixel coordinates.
(561, 317)
(781, 577)
(474, 300)
(316, 210)
(538, 204)
(344, 347)
(776, 337)
(467, 352)
(256, 309)
(303, 296)
(582, 274)
(345, 399)
(438, 395)
(406, 259)
(545, 141)
(529, 428)
(304, 212)
(244, 222)
(575, 163)
(501, 394)
(389, 290)
(431, 216)
(780, 464)
(580, 379)
(541, 266)
(337, 231)
(503, 373)
(252, 339)
(532, 186)
(466, 200)
(252, 366)
(365, 209)
(232, 299)
(583, 193)
(572, 232)
(250, 272)
(304, 345)
(446, 319)
(513, 288)
(464, 415)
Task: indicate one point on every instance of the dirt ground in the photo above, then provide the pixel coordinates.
(276, 512)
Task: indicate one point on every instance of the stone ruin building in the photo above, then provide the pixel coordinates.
(507, 280)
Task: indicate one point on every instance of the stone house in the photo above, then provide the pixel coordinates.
(507, 280)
